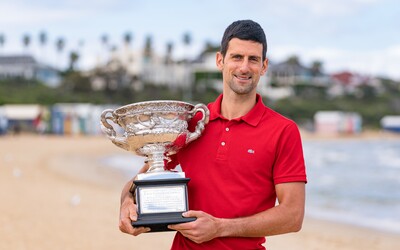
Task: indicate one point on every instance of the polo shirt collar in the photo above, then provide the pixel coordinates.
(253, 117)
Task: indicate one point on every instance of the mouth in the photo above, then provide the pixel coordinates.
(243, 77)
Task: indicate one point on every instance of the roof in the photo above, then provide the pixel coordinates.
(19, 59)
(21, 111)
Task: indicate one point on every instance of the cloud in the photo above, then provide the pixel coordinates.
(329, 7)
(381, 62)
(21, 14)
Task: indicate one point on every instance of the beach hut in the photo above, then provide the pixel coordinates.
(391, 123)
(70, 118)
(23, 117)
(337, 122)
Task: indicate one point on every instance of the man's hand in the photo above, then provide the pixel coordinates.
(128, 214)
(205, 228)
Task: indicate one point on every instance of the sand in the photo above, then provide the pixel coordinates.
(55, 193)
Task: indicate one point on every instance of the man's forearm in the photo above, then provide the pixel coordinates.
(277, 220)
(284, 218)
(126, 190)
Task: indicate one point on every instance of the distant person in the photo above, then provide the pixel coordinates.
(3, 125)
(16, 129)
(248, 157)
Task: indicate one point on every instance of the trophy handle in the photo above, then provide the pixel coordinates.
(200, 124)
(120, 141)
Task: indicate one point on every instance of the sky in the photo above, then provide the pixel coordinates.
(361, 36)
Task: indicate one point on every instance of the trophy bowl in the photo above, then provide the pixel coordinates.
(154, 129)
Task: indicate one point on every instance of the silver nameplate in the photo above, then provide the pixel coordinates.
(164, 199)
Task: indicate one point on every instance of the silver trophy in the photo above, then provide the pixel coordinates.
(156, 130)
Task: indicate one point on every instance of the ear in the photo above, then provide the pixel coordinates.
(264, 66)
(219, 60)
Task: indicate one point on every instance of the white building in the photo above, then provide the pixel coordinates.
(26, 67)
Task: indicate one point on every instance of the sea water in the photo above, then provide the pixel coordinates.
(350, 181)
(354, 181)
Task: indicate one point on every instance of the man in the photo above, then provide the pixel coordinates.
(247, 158)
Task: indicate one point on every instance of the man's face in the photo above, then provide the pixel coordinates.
(242, 66)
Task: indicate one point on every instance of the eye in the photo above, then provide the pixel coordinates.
(237, 57)
(254, 59)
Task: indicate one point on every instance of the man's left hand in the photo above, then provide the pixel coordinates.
(205, 228)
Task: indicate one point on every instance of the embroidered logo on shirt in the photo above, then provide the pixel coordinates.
(250, 151)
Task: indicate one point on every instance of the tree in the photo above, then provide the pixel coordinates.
(187, 41)
(316, 68)
(148, 48)
(43, 38)
(2, 40)
(293, 60)
(26, 40)
(127, 38)
(168, 56)
(73, 59)
(43, 41)
(104, 40)
(60, 45)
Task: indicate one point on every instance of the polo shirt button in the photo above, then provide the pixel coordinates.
(223, 143)
(226, 129)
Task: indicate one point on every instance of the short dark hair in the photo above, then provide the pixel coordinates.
(244, 30)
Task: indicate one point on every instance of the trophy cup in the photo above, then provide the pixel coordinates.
(156, 130)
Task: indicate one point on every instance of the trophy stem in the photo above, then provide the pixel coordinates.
(155, 156)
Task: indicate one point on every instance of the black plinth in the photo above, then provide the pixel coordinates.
(161, 202)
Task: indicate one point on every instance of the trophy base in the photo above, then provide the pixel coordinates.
(159, 223)
(161, 202)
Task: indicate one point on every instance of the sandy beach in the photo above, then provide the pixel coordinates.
(56, 194)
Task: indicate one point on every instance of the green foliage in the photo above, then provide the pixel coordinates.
(371, 103)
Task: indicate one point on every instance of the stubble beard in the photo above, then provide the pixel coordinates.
(241, 89)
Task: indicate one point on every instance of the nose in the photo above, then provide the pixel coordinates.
(244, 66)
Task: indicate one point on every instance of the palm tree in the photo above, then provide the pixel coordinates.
(187, 41)
(2, 40)
(43, 41)
(43, 38)
(26, 40)
(104, 39)
(73, 59)
(127, 38)
(60, 45)
(148, 48)
(168, 56)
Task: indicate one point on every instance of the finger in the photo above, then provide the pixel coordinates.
(192, 213)
(140, 230)
(133, 213)
(125, 226)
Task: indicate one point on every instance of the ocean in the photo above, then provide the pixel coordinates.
(354, 181)
(350, 181)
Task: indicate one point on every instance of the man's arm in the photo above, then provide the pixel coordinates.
(284, 218)
(128, 209)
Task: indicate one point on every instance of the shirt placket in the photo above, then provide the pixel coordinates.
(225, 141)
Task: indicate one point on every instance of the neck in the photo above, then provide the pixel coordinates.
(237, 106)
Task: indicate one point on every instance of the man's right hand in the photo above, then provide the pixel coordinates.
(127, 214)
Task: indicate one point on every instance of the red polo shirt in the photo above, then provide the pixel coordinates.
(235, 165)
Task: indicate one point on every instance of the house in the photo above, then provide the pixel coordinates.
(26, 67)
(346, 82)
